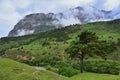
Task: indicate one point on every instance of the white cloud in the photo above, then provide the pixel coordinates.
(70, 22)
(106, 4)
(11, 11)
(21, 3)
(8, 17)
(111, 4)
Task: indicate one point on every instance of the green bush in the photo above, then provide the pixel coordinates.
(60, 64)
(63, 68)
(68, 71)
(44, 60)
(52, 69)
(75, 65)
(99, 66)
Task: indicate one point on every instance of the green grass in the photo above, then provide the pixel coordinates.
(58, 38)
(94, 76)
(12, 70)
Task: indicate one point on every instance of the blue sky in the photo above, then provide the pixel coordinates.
(11, 11)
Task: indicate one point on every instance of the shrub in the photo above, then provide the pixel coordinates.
(52, 69)
(100, 66)
(75, 65)
(60, 64)
(45, 43)
(68, 71)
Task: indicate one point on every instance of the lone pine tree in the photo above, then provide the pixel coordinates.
(88, 44)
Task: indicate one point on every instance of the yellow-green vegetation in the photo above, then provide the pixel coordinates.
(48, 48)
(56, 41)
(93, 76)
(12, 70)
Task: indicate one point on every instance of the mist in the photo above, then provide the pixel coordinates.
(12, 11)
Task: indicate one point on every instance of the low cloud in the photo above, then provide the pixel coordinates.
(11, 11)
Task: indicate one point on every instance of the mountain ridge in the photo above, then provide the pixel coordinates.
(41, 22)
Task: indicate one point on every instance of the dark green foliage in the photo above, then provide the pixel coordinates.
(14, 42)
(82, 45)
(87, 37)
(104, 48)
(75, 65)
(100, 66)
(68, 71)
(118, 42)
(46, 43)
(48, 48)
(48, 67)
(44, 60)
(88, 44)
(63, 68)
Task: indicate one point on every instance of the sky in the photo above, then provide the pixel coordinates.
(11, 11)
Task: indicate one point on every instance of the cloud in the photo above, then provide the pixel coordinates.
(8, 17)
(11, 11)
(111, 4)
(21, 3)
(106, 4)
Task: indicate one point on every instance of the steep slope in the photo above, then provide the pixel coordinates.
(53, 43)
(40, 22)
(48, 48)
(34, 23)
(12, 70)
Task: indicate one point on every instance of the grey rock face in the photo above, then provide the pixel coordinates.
(40, 22)
(35, 23)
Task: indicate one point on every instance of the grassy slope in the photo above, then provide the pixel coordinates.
(12, 70)
(103, 29)
(93, 76)
(58, 40)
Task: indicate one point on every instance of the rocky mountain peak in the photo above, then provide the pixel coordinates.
(41, 22)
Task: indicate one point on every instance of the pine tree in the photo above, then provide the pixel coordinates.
(88, 44)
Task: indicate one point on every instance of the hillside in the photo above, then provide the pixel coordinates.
(12, 70)
(47, 49)
(93, 76)
(19, 71)
(55, 41)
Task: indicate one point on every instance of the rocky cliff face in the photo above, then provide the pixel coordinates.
(34, 23)
(40, 22)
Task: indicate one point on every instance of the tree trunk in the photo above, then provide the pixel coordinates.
(81, 64)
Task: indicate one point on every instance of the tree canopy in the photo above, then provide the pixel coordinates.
(88, 44)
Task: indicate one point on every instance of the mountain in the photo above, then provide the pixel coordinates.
(41, 22)
(55, 42)
(48, 48)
